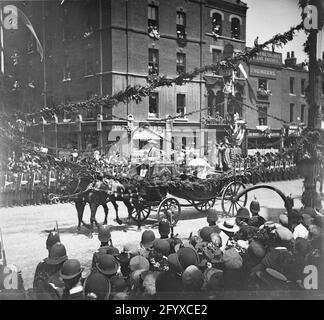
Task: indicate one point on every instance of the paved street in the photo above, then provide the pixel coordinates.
(25, 229)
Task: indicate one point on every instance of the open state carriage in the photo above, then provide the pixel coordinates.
(163, 190)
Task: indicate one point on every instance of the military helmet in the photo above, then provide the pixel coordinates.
(57, 254)
(71, 268)
(52, 238)
(104, 234)
(164, 227)
(148, 238)
(212, 215)
(255, 206)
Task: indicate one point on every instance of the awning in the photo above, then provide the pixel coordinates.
(145, 134)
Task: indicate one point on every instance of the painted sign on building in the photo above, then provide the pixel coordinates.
(267, 58)
(263, 72)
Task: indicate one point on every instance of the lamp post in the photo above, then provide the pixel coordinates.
(311, 24)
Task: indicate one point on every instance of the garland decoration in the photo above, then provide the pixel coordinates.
(138, 92)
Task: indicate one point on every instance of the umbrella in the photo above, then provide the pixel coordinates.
(198, 162)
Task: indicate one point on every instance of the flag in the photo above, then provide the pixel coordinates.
(243, 71)
(28, 24)
(251, 91)
(250, 88)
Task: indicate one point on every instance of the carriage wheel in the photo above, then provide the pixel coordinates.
(169, 209)
(228, 205)
(204, 206)
(140, 213)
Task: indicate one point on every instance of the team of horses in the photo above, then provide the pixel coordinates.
(96, 193)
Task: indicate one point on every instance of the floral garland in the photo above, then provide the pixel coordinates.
(137, 93)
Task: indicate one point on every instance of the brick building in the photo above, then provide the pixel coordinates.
(101, 47)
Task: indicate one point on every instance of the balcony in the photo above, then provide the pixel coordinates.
(263, 94)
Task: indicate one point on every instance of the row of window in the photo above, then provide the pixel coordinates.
(292, 86)
(263, 114)
(292, 112)
(153, 21)
(216, 23)
(217, 26)
(154, 105)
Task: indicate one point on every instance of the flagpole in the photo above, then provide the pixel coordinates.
(2, 55)
(44, 56)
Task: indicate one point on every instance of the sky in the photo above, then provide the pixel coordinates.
(265, 18)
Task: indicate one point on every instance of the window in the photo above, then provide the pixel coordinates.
(181, 25)
(217, 56)
(181, 104)
(181, 63)
(292, 106)
(154, 105)
(66, 69)
(183, 143)
(291, 85)
(152, 15)
(263, 84)
(302, 88)
(153, 65)
(89, 63)
(217, 23)
(302, 113)
(235, 28)
(263, 112)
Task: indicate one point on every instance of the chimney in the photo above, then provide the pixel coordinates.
(290, 60)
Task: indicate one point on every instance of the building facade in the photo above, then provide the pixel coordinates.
(101, 47)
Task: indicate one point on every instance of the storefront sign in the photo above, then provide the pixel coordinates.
(268, 58)
(263, 72)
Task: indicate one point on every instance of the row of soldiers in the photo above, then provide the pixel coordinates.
(29, 181)
(265, 168)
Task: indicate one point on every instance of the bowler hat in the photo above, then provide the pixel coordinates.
(192, 278)
(205, 233)
(174, 264)
(97, 287)
(212, 215)
(161, 246)
(243, 213)
(232, 259)
(139, 263)
(257, 249)
(71, 268)
(107, 264)
(187, 256)
(214, 279)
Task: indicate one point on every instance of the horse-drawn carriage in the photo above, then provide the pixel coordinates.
(161, 187)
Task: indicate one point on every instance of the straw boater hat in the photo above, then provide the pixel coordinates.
(229, 226)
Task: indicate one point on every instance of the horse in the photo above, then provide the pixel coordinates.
(95, 193)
